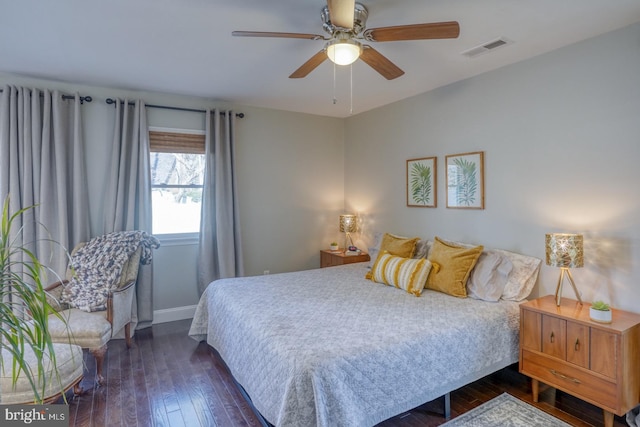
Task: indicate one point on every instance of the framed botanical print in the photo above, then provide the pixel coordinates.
(465, 180)
(421, 182)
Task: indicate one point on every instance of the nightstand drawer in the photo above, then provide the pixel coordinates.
(570, 379)
(554, 336)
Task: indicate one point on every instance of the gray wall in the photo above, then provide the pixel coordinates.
(291, 185)
(561, 136)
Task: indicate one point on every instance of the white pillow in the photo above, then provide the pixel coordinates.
(523, 276)
(422, 249)
(375, 249)
(489, 277)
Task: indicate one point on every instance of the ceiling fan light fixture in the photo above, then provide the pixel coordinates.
(344, 52)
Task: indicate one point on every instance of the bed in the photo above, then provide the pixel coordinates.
(328, 347)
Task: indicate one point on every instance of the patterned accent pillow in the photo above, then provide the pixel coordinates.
(403, 273)
(452, 265)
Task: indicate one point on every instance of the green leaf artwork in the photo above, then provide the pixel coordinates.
(421, 184)
(467, 182)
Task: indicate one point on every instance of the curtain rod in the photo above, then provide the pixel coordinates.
(83, 99)
(165, 107)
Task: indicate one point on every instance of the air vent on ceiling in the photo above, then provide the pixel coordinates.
(486, 47)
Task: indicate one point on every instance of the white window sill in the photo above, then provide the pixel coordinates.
(178, 239)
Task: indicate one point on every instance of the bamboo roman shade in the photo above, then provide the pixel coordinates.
(174, 142)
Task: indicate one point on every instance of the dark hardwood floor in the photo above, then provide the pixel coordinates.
(168, 379)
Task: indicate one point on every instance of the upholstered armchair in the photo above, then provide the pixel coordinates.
(66, 374)
(92, 330)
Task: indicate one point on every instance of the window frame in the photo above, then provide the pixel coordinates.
(185, 237)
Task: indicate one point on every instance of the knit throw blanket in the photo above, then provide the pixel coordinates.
(98, 266)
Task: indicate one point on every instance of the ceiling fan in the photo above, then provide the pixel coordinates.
(345, 22)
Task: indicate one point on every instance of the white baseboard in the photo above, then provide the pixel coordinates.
(173, 314)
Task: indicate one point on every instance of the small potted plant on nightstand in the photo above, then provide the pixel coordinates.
(333, 246)
(600, 312)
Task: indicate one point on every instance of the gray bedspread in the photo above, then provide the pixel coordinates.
(327, 347)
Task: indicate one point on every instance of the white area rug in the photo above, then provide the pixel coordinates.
(505, 410)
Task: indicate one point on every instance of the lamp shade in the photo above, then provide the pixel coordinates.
(564, 250)
(344, 52)
(347, 223)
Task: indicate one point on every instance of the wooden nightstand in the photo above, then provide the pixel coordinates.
(595, 362)
(333, 258)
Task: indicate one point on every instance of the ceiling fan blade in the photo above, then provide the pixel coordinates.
(342, 12)
(380, 63)
(310, 65)
(434, 30)
(283, 35)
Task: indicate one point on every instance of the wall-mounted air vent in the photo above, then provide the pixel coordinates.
(487, 47)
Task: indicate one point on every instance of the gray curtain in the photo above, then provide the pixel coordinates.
(127, 201)
(42, 163)
(220, 250)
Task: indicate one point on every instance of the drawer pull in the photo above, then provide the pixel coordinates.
(564, 377)
(576, 347)
(551, 338)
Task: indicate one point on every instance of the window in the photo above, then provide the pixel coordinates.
(177, 177)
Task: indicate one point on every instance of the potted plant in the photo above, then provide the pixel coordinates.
(600, 312)
(24, 310)
(333, 246)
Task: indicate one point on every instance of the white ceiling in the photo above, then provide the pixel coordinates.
(185, 46)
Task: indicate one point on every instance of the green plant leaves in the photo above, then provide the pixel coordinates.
(600, 305)
(467, 182)
(420, 184)
(24, 309)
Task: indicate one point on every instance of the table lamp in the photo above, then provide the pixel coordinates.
(347, 226)
(565, 251)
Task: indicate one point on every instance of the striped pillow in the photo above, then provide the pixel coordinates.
(403, 273)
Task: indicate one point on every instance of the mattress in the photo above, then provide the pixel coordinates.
(327, 347)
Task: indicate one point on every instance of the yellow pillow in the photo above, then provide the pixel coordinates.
(403, 273)
(399, 246)
(451, 267)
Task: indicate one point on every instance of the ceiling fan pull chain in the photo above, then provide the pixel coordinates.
(351, 90)
(335, 101)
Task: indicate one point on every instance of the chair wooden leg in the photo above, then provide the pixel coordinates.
(77, 389)
(99, 353)
(127, 334)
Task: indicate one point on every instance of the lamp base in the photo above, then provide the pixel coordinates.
(348, 241)
(563, 271)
